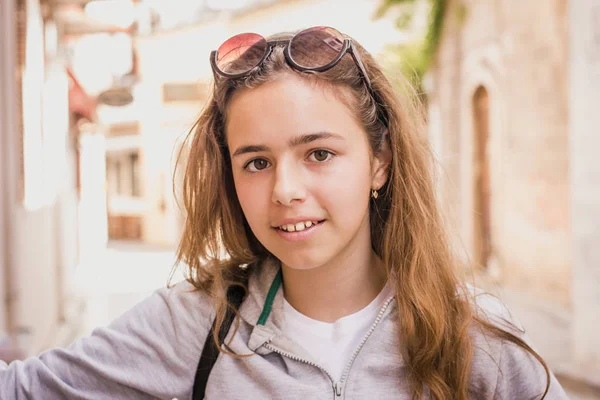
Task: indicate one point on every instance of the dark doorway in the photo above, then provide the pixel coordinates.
(482, 230)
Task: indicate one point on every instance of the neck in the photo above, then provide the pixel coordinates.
(340, 288)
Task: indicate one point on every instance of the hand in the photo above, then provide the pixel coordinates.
(9, 353)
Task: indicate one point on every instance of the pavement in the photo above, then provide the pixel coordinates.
(548, 326)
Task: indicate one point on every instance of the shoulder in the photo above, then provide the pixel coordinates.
(174, 309)
(186, 297)
(150, 351)
(162, 337)
(501, 368)
(171, 323)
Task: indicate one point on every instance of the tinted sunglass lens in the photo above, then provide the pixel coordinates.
(316, 47)
(241, 53)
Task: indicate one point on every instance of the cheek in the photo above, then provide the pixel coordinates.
(346, 191)
(252, 196)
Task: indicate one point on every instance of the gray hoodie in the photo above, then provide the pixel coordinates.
(153, 349)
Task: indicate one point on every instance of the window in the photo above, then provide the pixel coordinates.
(134, 170)
(123, 173)
(118, 179)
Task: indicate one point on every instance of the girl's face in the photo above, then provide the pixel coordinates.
(303, 171)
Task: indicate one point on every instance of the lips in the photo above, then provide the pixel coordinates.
(298, 226)
(306, 229)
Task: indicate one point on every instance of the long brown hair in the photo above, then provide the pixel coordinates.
(407, 229)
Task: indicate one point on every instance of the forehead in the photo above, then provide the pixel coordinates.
(287, 106)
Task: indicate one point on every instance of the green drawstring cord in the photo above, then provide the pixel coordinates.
(270, 297)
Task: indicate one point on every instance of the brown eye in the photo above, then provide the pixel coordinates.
(321, 155)
(260, 164)
(257, 165)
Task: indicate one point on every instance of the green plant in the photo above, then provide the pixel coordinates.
(415, 58)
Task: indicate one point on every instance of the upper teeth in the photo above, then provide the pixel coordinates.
(300, 226)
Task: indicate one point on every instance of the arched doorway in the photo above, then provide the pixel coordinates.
(481, 174)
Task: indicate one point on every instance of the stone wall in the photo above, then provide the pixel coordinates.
(517, 51)
(584, 93)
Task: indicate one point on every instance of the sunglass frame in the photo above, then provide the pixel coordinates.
(348, 47)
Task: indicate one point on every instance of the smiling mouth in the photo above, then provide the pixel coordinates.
(298, 227)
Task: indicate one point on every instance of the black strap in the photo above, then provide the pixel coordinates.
(210, 352)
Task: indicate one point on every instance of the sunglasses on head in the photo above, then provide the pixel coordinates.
(315, 49)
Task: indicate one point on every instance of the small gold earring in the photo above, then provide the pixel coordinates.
(374, 194)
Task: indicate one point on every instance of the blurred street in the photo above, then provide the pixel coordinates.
(125, 274)
(96, 97)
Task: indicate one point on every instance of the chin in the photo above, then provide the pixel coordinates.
(302, 261)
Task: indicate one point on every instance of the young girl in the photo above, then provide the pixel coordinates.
(307, 183)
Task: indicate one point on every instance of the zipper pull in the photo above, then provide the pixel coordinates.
(338, 389)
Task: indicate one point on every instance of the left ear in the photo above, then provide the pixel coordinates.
(380, 169)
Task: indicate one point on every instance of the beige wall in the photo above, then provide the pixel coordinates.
(523, 66)
(584, 93)
(7, 124)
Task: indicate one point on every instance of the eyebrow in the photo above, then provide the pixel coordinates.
(294, 142)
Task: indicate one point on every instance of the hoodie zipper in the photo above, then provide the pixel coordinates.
(303, 360)
(337, 386)
(340, 386)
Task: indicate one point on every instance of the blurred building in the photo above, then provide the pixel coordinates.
(511, 122)
(53, 206)
(39, 158)
(99, 50)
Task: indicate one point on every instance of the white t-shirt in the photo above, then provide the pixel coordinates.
(332, 344)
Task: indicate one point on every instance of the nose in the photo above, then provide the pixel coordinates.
(289, 186)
